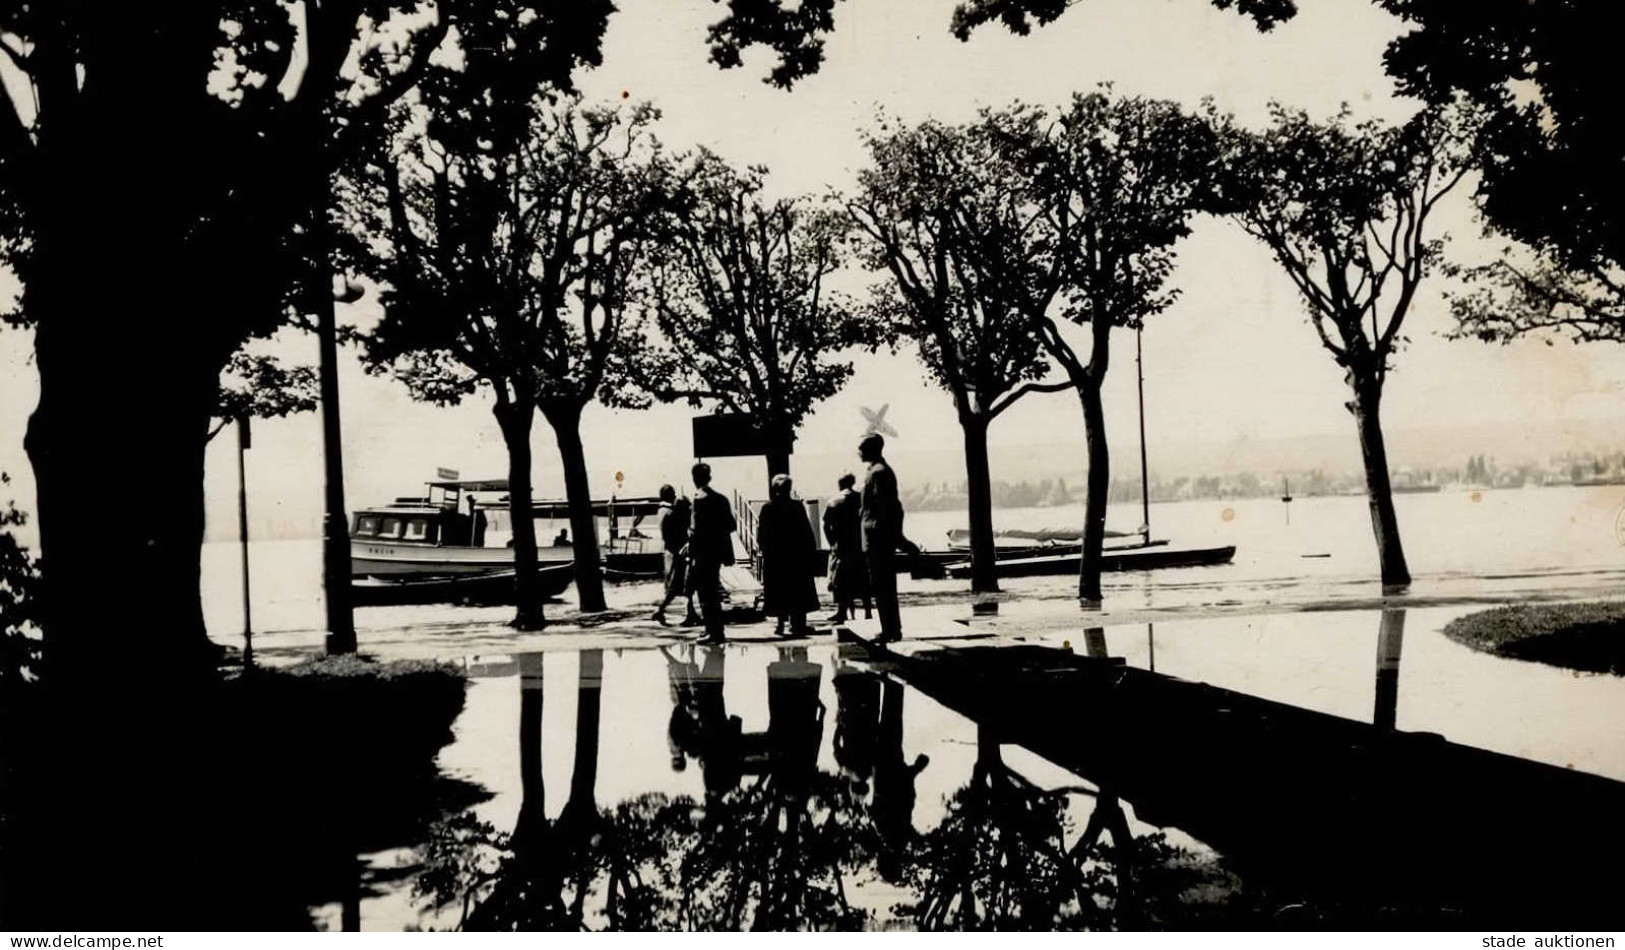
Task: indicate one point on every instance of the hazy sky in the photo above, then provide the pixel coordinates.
(1232, 360)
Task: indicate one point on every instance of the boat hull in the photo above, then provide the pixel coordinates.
(1111, 561)
(954, 556)
(491, 588)
(369, 558)
(385, 558)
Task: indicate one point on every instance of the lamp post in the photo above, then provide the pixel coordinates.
(335, 523)
(244, 443)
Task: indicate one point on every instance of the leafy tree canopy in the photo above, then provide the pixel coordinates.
(1019, 16)
(740, 294)
(1550, 155)
(1343, 208)
(929, 202)
(795, 32)
(512, 266)
(263, 387)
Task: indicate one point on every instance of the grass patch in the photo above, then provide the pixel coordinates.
(1588, 637)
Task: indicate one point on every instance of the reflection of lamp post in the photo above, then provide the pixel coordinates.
(335, 534)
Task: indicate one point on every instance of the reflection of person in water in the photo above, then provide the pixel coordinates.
(795, 729)
(795, 719)
(893, 804)
(700, 726)
(682, 728)
(857, 711)
(869, 744)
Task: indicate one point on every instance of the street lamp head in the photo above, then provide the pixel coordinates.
(346, 290)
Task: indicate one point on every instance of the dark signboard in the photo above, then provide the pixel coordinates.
(735, 434)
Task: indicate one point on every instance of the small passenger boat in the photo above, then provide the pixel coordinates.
(464, 528)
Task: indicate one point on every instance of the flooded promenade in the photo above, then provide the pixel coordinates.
(878, 790)
(631, 778)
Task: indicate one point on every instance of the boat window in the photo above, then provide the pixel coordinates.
(391, 528)
(367, 525)
(417, 529)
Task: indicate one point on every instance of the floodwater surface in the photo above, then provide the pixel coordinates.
(802, 786)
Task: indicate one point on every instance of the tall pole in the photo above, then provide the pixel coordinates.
(335, 524)
(1145, 478)
(243, 444)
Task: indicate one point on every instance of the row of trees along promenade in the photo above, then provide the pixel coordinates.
(551, 253)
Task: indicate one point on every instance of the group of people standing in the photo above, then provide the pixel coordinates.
(864, 531)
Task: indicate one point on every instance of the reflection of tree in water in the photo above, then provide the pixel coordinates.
(999, 859)
(539, 876)
(775, 842)
(770, 851)
(767, 849)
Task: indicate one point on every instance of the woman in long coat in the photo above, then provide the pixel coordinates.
(785, 539)
(843, 529)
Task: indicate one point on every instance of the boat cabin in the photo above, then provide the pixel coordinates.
(475, 514)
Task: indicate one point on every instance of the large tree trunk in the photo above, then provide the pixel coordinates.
(515, 420)
(984, 576)
(1379, 491)
(123, 413)
(589, 572)
(148, 267)
(1097, 486)
(778, 463)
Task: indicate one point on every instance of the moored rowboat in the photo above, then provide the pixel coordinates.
(1140, 559)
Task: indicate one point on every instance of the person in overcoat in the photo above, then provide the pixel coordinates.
(784, 539)
(843, 530)
(882, 533)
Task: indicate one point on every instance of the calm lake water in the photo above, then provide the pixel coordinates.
(1459, 544)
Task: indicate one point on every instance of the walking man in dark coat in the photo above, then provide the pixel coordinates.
(710, 547)
(882, 532)
(843, 529)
